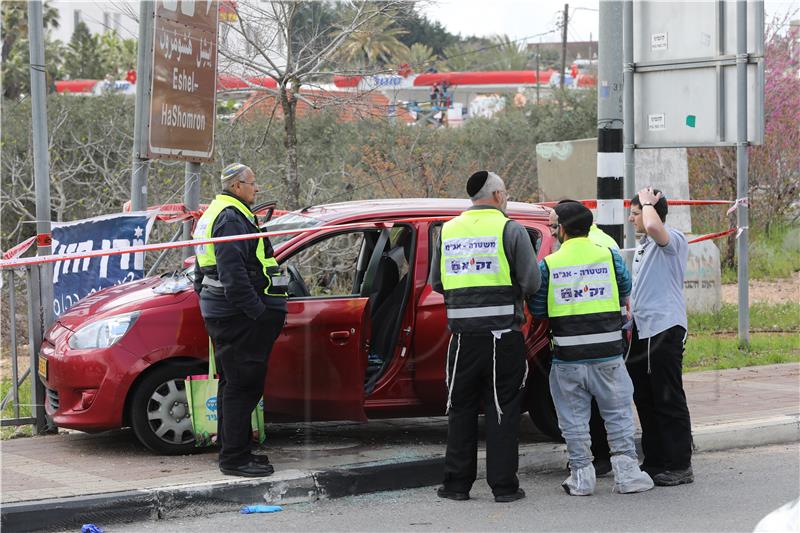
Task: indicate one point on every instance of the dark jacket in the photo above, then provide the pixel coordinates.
(238, 270)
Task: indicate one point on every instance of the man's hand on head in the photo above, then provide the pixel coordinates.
(653, 224)
(646, 196)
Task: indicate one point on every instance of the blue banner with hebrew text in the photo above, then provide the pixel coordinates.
(77, 278)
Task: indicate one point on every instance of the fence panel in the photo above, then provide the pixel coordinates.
(23, 394)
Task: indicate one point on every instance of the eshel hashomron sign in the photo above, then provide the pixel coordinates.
(182, 102)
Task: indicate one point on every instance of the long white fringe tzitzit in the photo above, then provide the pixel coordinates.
(524, 377)
(494, 379)
(452, 383)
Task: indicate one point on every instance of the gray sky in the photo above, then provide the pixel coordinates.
(523, 18)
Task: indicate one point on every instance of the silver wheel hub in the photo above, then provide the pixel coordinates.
(168, 413)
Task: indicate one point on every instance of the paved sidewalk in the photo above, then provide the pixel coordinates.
(73, 473)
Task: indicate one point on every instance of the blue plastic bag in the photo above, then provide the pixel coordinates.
(247, 509)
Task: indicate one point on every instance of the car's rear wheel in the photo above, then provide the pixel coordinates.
(159, 411)
(540, 407)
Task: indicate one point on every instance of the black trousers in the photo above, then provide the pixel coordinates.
(242, 347)
(661, 400)
(474, 383)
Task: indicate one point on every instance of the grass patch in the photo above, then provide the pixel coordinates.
(763, 317)
(771, 255)
(24, 410)
(717, 352)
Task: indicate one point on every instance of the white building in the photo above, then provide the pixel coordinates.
(99, 16)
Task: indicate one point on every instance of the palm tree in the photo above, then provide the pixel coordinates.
(373, 43)
(507, 54)
(15, 59)
(465, 56)
(418, 57)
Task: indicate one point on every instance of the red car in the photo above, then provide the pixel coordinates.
(365, 335)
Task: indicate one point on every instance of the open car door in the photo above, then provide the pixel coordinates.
(318, 364)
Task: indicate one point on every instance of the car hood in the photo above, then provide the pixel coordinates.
(133, 296)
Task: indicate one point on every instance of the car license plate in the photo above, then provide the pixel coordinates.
(43, 367)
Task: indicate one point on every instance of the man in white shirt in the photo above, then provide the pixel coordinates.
(659, 335)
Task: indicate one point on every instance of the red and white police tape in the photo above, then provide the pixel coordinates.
(178, 212)
(54, 258)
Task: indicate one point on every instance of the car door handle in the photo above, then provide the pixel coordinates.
(340, 336)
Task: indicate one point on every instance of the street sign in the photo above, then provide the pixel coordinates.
(685, 73)
(183, 92)
(685, 31)
(697, 107)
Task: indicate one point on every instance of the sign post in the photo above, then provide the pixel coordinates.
(144, 67)
(183, 88)
(695, 77)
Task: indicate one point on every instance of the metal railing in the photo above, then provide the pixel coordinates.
(23, 295)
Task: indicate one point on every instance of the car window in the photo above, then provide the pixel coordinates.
(287, 222)
(329, 267)
(400, 239)
(435, 232)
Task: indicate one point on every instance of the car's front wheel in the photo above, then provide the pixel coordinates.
(159, 411)
(540, 402)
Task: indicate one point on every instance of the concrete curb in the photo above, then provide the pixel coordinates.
(295, 486)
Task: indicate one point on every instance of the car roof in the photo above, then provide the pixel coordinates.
(393, 208)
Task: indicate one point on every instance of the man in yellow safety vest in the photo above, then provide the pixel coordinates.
(483, 268)
(243, 303)
(582, 285)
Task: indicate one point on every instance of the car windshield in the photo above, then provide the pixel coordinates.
(289, 221)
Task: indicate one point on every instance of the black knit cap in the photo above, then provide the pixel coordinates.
(476, 182)
(575, 218)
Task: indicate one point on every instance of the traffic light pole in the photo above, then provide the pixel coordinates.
(610, 158)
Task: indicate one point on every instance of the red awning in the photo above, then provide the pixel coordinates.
(75, 86)
(499, 77)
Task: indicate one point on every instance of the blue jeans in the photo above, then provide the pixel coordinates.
(573, 385)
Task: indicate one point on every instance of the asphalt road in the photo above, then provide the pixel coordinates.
(732, 492)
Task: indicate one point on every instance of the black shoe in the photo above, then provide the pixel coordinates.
(452, 494)
(601, 467)
(652, 471)
(259, 459)
(251, 469)
(506, 498)
(670, 478)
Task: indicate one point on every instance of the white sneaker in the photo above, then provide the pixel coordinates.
(580, 482)
(628, 477)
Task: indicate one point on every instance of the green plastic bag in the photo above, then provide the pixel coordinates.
(201, 394)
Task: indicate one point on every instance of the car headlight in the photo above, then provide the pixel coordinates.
(103, 333)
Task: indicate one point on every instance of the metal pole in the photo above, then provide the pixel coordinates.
(741, 170)
(564, 45)
(610, 160)
(35, 335)
(538, 69)
(163, 254)
(12, 304)
(628, 129)
(191, 199)
(141, 166)
(41, 160)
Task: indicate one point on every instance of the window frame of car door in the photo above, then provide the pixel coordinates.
(294, 249)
